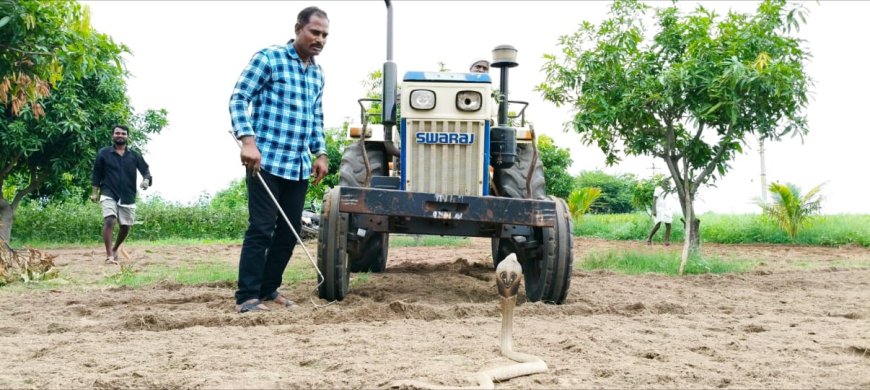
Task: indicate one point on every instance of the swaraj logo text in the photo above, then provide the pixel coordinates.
(445, 138)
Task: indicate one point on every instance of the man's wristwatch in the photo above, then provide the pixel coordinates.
(320, 153)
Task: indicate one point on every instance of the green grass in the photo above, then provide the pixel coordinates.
(825, 230)
(359, 279)
(634, 263)
(196, 274)
(132, 276)
(398, 241)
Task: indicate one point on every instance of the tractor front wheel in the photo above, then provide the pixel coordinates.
(332, 249)
(548, 278)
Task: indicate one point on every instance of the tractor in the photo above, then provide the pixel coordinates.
(448, 168)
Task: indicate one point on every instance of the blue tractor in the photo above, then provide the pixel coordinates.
(446, 168)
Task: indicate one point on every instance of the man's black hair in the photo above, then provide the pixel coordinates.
(305, 15)
(127, 129)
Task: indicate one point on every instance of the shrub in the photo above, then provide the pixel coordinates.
(616, 191)
(791, 210)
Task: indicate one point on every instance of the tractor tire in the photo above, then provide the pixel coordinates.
(332, 249)
(501, 248)
(374, 247)
(511, 182)
(549, 278)
(352, 171)
(373, 256)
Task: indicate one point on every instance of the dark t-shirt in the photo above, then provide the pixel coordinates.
(116, 174)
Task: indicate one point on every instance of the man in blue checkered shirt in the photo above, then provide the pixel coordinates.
(283, 87)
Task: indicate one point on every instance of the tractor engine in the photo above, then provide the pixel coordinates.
(445, 133)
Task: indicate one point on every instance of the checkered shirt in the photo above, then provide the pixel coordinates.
(286, 116)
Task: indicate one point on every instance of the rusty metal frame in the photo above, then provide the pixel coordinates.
(480, 209)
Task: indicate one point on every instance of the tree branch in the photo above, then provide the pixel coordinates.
(36, 53)
(698, 134)
(676, 176)
(695, 138)
(671, 139)
(36, 180)
(715, 161)
(8, 169)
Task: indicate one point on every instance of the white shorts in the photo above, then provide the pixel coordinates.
(126, 214)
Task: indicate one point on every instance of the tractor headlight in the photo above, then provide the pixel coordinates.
(422, 99)
(468, 100)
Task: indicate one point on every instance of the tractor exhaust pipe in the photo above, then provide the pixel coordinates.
(503, 142)
(504, 57)
(388, 112)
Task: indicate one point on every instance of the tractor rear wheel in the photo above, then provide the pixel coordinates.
(549, 277)
(511, 182)
(374, 247)
(501, 248)
(331, 249)
(373, 256)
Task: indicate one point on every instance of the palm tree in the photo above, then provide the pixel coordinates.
(791, 210)
(580, 200)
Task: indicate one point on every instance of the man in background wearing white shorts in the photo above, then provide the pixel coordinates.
(114, 187)
(662, 212)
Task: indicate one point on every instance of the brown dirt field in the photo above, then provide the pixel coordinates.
(799, 320)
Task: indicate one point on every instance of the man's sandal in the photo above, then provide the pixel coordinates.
(280, 300)
(251, 305)
(112, 260)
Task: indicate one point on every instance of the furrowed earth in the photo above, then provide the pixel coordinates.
(799, 319)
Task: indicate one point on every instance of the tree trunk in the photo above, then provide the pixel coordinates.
(695, 239)
(7, 213)
(688, 214)
(692, 240)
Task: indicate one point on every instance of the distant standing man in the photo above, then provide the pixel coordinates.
(114, 186)
(479, 66)
(283, 86)
(482, 66)
(662, 213)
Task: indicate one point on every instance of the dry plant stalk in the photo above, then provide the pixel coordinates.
(26, 266)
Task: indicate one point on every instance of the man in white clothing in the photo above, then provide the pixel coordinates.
(662, 213)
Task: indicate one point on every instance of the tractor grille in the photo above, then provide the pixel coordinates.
(444, 168)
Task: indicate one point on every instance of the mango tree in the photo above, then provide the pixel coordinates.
(691, 91)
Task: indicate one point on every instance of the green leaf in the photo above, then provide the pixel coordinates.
(714, 108)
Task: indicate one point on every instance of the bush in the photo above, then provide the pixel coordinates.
(556, 161)
(77, 222)
(616, 191)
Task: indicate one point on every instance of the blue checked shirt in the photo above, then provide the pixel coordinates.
(286, 116)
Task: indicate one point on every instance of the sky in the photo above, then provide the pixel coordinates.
(187, 55)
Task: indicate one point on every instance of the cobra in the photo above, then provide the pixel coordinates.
(509, 276)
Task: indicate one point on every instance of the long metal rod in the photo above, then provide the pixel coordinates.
(292, 229)
(503, 101)
(389, 30)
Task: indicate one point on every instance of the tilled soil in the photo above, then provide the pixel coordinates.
(798, 320)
